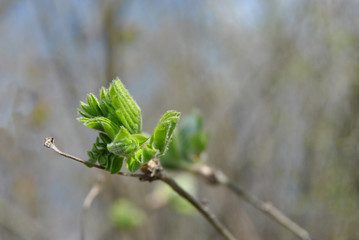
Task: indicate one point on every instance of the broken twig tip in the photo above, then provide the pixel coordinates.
(49, 141)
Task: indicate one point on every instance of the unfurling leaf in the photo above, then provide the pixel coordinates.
(127, 110)
(148, 153)
(126, 144)
(188, 144)
(141, 139)
(163, 132)
(118, 118)
(133, 164)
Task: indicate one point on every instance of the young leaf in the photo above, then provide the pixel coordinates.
(108, 126)
(141, 139)
(138, 156)
(122, 134)
(164, 130)
(102, 160)
(127, 109)
(148, 153)
(132, 164)
(92, 158)
(116, 164)
(83, 114)
(123, 144)
(188, 143)
(199, 142)
(92, 123)
(94, 104)
(105, 139)
(173, 158)
(88, 109)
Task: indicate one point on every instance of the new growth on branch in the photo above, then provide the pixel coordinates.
(118, 119)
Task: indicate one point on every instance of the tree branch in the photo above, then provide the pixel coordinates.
(159, 175)
(217, 177)
(92, 194)
(208, 215)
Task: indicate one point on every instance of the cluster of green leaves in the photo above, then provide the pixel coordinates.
(188, 144)
(118, 118)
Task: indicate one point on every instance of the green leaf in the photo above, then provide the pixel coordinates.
(109, 159)
(105, 138)
(116, 164)
(123, 148)
(138, 156)
(92, 159)
(132, 164)
(148, 153)
(123, 144)
(83, 114)
(164, 130)
(103, 160)
(92, 123)
(127, 109)
(108, 126)
(191, 136)
(188, 143)
(122, 135)
(94, 104)
(141, 139)
(173, 158)
(88, 109)
(199, 142)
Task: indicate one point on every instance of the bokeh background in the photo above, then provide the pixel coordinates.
(277, 83)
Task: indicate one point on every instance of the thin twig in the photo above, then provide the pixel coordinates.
(49, 143)
(208, 215)
(218, 177)
(92, 194)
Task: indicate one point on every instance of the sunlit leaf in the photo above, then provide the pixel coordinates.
(127, 109)
(164, 130)
(141, 139)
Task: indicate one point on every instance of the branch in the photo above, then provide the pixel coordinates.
(203, 210)
(92, 194)
(150, 176)
(218, 177)
(50, 143)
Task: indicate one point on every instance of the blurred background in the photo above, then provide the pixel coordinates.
(277, 83)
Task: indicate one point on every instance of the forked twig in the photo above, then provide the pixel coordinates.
(49, 143)
(218, 177)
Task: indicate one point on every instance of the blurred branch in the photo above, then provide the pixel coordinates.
(216, 177)
(150, 176)
(92, 194)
